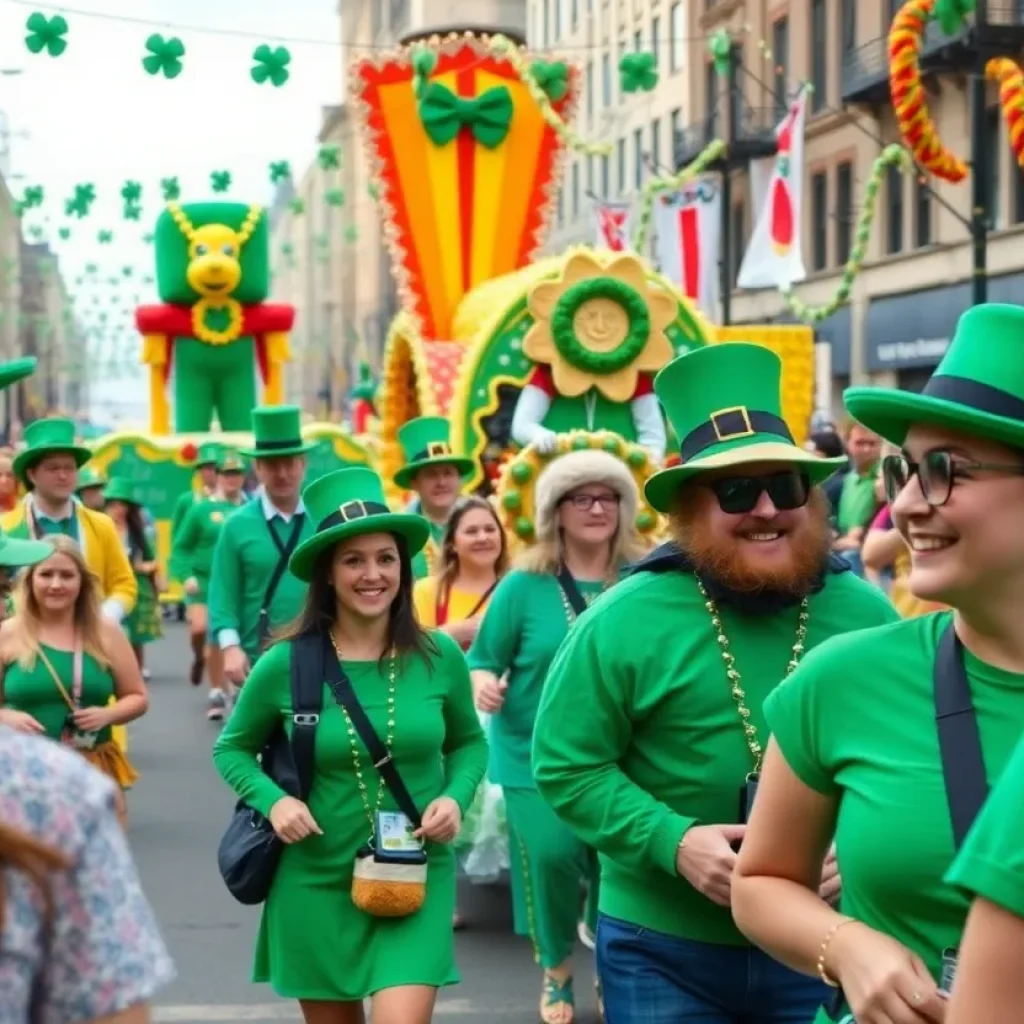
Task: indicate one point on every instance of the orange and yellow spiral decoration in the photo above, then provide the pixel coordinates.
(1011, 99)
(908, 97)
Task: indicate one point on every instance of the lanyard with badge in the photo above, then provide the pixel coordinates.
(71, 735)
(963, 768)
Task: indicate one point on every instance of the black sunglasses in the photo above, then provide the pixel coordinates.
(738, 495)
(936, 474)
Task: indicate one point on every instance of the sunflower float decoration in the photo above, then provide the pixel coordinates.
(598, 338)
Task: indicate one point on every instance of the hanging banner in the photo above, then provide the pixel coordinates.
(613, 225)
(774, 258)
(688, 224)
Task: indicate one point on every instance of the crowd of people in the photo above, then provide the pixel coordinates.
(749, 766)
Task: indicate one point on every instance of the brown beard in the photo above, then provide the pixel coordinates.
(809, 549)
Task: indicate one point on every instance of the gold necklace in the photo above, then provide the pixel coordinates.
(570, 613)
(357, 762)
(211, 335)
(733, 675)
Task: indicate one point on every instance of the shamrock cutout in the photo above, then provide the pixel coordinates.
(287, 249)
(220, 181)
(148, 238)
(335, 197)
(351, 234)
(552, 77)
(280, 170)
(148, 279)
(329, 158)
(423, 63)
(131, 192)
(952, 14)
(164, 56)
(297, 206)
(113, 281)
(105, 237)
(132, 211)
(46, 34)
(91, 268)
(638, 72)
(33, 197)
(35, 232)
(64, 234)
(271, 65)
(720, 48)
(81, 202)
(126, 271)
(170, 189)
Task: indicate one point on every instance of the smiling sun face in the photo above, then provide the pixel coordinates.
(600, 327)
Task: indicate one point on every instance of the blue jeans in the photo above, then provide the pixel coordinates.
(651, 978)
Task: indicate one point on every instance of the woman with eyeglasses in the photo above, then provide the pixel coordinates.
(887, 738)
(585, 506)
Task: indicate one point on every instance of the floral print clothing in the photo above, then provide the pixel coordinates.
(105, 951)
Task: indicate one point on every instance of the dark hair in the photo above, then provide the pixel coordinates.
(405, 635)
(449, 566)
(829, 443)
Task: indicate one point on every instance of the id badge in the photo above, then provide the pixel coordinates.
(949, 962)
(84, 740)
(394, 838)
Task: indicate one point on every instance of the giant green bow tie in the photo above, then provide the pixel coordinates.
(488, 116)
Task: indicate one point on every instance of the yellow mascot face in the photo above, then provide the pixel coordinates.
(214, 270)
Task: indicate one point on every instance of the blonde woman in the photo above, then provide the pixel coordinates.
(474, 556)
(586, 503)
(61, 662)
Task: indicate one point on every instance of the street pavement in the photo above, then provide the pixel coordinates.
(179, 809)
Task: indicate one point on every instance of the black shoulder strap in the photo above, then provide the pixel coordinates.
(284, 553)
(572, 592)
(963, 762)
(307, 674)
(345, 695)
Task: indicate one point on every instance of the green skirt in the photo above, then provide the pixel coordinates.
(144, 625)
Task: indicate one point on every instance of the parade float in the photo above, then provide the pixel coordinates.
(467, 135)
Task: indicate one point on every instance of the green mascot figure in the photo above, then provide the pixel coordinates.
(214, 332)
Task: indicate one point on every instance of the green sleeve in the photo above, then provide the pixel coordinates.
(576, 757)
(497, 639)
(798, 718)
(465, 746)
(224, 593)
(185, 539)
(251, 723)
(991, 862)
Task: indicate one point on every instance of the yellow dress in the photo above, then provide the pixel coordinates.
(461, 603)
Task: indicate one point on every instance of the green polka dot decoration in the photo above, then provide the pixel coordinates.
(512, 501)
(580, 444)
(521, 472)
(645, 521)
(524, 528)
(637, 458)
(612, 445)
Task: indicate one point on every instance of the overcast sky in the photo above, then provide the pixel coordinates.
(94, 115)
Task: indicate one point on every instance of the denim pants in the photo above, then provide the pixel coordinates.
(651, 978)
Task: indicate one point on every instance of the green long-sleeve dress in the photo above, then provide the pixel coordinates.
(143, 625)
(313, 942)
(196, 539)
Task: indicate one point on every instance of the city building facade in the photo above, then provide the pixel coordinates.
(916, 278)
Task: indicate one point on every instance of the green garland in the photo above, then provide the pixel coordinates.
(892, 156)
(564, 333)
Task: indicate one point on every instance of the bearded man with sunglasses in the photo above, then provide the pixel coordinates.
(650, 733)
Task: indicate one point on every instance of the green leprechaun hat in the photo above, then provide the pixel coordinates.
(348, 503)
(88, 478)
(231, 462)
(48, 437)
(17, 369)
(120, 488)
(977, 389)
(16, 553)
(426, 441)
(277, 430)
(208, 455)
(725, 404)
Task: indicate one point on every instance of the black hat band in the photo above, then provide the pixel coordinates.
(975, 395)
(350, 511)
(730, 425)
(276, 446)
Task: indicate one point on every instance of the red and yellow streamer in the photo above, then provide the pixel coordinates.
(1011, 99)
(908, 96)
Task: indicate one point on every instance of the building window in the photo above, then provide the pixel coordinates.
(848, 26)
(575, 190)
(894, 201)
(574, 14)
(620, 153)
(1018, 195)
(844, 211)
(780, 61)
(606, 175)
(638, 158)
(922, 213)
(638, 41)
(736, 95)
(819, 220)
(656, 145)
(819, 55)
(547, 22)
(561, 209)
(558, 19)
(676, 124)
(993, 133)
(677, 44)
(606, 79)
(590, 175)
(656, 39)
(739, 230)
(590, 90)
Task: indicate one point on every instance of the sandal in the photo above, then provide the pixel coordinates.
(557, 999)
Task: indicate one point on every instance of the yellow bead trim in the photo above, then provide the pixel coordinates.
(230, 333)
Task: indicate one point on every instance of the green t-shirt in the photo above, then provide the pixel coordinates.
(197, 535)
(856, 500)
(857, 721)
(639, 737)
(991, 862)
(523, 626)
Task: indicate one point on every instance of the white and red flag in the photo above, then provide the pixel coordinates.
(688, 224)
(613, 224)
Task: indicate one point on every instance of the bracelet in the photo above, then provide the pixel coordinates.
(823, 951)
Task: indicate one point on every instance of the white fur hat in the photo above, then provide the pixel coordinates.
(576, 469)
